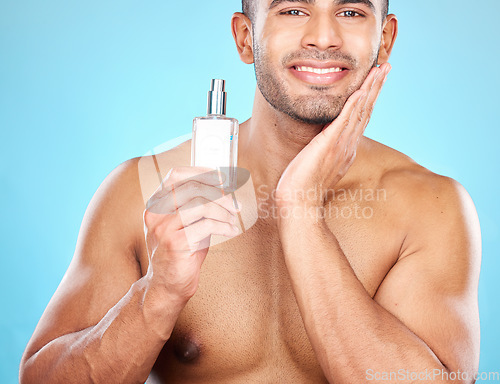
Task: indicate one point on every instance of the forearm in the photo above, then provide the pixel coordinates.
(121, 348)
(348, 330)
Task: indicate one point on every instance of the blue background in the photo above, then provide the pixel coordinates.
(86, 85)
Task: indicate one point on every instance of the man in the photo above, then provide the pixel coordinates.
(324, 287)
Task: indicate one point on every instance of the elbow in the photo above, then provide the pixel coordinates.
(27, 370)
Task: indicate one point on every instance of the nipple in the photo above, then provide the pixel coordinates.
(186, 350)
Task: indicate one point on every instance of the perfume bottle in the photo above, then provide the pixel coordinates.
(215, 137)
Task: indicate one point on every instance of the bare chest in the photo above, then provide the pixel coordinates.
(244, 319)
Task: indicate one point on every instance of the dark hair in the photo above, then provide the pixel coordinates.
(249, 8)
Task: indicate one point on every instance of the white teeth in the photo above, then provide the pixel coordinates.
(319, 71)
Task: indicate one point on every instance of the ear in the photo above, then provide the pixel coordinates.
(389, 34)
(241, 27)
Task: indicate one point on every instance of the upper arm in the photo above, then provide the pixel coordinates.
(432, 288)
(104, 265)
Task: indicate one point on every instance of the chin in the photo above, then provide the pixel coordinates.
(314, 120)
(322, 111)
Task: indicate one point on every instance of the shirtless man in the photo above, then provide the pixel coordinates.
(296, 298)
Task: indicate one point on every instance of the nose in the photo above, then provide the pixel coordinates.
(321, 33)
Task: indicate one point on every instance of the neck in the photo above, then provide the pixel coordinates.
(270, 140)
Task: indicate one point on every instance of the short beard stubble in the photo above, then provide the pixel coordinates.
(320, 109)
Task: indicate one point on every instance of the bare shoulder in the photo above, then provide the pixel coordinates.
(430, 207)
(415, 190)
(153, 168)
(130, 184)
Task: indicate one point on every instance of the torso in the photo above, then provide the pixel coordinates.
(243, 323)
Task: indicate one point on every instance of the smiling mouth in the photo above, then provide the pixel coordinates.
(319, 71)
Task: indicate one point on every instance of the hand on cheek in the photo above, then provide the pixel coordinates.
(328, 157)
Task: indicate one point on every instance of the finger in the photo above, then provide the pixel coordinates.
(374, 83)
(335, 129)
(376, 88)
(200, 230)
(181, 175)
(175, 198)
(371, 99)
(200, 208)
(355, 121)
(351, 121)
(357, 111)
(352, 114)
(205, 243)
(370, 79)
(192, 189)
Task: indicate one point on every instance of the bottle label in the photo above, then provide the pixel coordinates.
(213, 143)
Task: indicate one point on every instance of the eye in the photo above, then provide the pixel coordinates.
(350, 14)
(293, 12)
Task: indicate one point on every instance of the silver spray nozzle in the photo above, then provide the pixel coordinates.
(217, 98)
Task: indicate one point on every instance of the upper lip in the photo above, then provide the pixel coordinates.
(318, 64)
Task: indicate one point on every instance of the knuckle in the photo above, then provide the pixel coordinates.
(229, 230)
(157, 231)
(204, 225)
(199, 201)
(361, 115)
(150, 219)
(202, 209)
(166, 240)
(194, 186)
(166, 243)
(350, 159)
(369, 110)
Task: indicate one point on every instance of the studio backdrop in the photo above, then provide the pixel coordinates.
(87, 85)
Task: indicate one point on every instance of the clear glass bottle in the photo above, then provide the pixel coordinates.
(215, 137)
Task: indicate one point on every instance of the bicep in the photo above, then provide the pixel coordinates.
(104, 265)
(432, 289)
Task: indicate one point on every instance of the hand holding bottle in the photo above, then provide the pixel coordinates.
(180, 217)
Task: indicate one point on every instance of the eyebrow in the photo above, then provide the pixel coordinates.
(368, 3)
(275, 3)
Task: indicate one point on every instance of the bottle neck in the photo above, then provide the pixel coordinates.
(216, 103)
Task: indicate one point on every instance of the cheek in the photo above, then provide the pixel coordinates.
(364, 40)
(277, 39)
(268, 52)
(363, 48)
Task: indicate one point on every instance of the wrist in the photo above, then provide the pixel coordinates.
(292, 196)
(160, 307)
(300, 214)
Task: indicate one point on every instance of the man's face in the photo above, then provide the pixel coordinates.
(311, 55)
